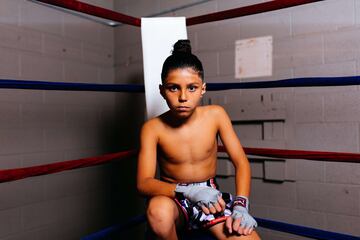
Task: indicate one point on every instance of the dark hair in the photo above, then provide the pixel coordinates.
(181, 57)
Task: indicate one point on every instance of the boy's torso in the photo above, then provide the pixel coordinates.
(187, 153)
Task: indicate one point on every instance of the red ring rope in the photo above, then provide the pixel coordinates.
(20, 173)
(227, 14)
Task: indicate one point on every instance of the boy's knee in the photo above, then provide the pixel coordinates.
(161, 208)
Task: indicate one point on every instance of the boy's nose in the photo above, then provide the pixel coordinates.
(182, 96)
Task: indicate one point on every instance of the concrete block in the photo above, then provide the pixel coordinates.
(21, 96)
(225, 5)
(209, 38)
(309, 108)
(298, 51)
(298, 217)
(33, 159)
(307, 170)
(357, 10)
(273, 194)
(29, 40)
(106, 35)
(343, 224)
(341, 137)
(106, 75)
(36, 67)
(9, 12)
(249, 131)
(167, 5)
(29, 235)
(127, 35)
(32, 140)
(80, 72)
(342, 45)
(41, 214)
(9, 36)
(227, 184)
(20, 141)
(275, 24)
(21, 192)
(290, 169)
(42, 115)
(247, 111)
(257, 167)
(9, 64)
(55, 139)
(329, 198)
(227, 63)
(10, 161)
(142, 8)
(10, 221)
(338, 172)
(274, 170)
(210, 63)
(323, 16)
(76, 182)
(41, 18)
(82, 29)
(342, 106)
(11, 117)
(97, 54)
(81, 116)
(225, 168)
(273, 130)
(56, 46)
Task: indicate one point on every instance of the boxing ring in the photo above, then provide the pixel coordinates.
(7, 175)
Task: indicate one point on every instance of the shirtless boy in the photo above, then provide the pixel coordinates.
(184, 143)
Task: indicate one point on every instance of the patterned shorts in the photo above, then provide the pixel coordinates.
(194, 216)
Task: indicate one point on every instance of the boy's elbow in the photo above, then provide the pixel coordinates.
(141, 186)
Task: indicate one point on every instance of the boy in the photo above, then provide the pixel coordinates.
(184, 142)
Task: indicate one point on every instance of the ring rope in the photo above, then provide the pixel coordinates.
(20, 173)
(217, 16)
(285, 83)
(265, 223)
(7, 175)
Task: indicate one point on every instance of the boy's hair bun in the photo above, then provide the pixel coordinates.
(182, 46)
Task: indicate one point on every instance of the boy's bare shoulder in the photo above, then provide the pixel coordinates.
(153, 125)
(215, 110)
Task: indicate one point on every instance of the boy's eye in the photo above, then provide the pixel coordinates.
(192, 88)
(173, 88)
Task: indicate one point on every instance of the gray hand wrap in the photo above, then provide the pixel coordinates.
(240, 211)
(201, 195)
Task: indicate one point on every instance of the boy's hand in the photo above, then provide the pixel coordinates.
(208, 198)
(217, 207)
(240, 220)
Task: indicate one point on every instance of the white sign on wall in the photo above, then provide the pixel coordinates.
(253, 57)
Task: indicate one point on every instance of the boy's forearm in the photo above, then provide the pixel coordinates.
(152, 187)
(243, 178)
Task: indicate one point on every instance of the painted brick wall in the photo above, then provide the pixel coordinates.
(38, 127)
(311, 40)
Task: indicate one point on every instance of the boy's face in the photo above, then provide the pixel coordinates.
(182, 90)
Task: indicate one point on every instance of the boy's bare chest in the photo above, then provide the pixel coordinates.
(193, 143)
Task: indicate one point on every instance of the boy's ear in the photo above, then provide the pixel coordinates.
(161, 88)
(203, 89)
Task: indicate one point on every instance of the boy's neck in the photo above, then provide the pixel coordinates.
(177, 122)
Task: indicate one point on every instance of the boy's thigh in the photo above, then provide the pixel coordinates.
(220, 232)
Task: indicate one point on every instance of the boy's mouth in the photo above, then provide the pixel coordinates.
(182, 108)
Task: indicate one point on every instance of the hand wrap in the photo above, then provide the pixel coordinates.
(240, 211)
(200, 195)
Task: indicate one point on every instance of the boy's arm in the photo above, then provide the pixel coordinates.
(237, 155)
(146, 168)
(240, 221)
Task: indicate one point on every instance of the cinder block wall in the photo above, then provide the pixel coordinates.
(39, 127)
(319, 39)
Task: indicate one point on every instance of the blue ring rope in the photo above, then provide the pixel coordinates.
(296, 82)
(270, 224)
